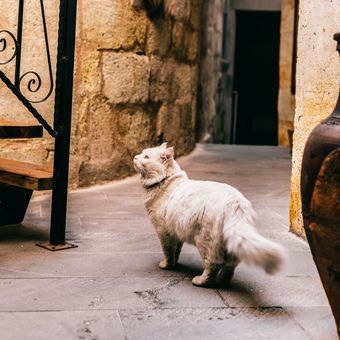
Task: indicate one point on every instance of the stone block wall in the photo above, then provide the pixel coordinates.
(286, 100)
(317, 83)
(210, 71)
(135, 80)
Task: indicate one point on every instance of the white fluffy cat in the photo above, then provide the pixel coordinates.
(215, 217)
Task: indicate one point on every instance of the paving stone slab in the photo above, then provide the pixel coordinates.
(83, 325)
(79, 262)
(102, 293)
(251, 288)
(317, 322)
(212, 323)
(287, 240)
(299, 263)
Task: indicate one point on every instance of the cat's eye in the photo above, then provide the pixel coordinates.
(146, 157)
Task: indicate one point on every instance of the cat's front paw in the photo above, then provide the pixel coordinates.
(202, 281)
(166, 265)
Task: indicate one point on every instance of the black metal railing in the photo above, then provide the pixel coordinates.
(31, 78)
(63, 98)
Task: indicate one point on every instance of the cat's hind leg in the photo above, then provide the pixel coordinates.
(171, 249)
(212, 256)
(227, 271)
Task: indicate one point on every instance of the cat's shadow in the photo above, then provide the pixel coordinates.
(22, 232)
(188, 270)
(238, 291)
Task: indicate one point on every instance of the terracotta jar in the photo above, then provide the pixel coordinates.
(320, 191)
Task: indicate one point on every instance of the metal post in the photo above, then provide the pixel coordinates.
(19, 44)
(62, 122)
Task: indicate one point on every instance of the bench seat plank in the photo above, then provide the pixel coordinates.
(9, 129)
(25, 175)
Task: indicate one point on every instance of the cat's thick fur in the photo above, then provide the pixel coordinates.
(215, 217)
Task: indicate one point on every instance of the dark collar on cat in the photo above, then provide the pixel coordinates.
(180, 174)
(155, 184)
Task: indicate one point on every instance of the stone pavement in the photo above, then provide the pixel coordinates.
(110, 287)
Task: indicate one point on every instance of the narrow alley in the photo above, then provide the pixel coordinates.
(110, 287)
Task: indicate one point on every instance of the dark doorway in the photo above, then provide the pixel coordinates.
(256, 77)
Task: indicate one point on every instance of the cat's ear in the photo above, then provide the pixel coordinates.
(168, 154)
(164, 145)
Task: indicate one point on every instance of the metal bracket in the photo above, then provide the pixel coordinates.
(55, 247)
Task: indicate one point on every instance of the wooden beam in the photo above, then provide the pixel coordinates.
(25, 175)
(10, 129)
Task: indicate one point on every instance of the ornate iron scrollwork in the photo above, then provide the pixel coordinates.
(31, 79)
(4, 45)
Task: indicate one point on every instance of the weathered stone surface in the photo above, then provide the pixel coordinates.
(126, 66)
(178, 38)
(128, 131)
(159, 37)
(192, 46)
(185, 42)
(88, 67)
(171, 82)
(183, 86)
(317, 82)
(161, 79)
(210, 72)
(212, 323)
(298, 290)
(180, 132)
(103, 325)
(125, 77)
(174, 87)
(286, 100)
(195, 17)
(317, 326)
(113, 24)
(178, 10)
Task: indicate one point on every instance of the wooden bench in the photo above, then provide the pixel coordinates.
(17, 182)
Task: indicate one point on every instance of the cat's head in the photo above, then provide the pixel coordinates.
(154, 164)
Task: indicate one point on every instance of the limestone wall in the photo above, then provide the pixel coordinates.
(286, 102)
(317, 83)
(210, 69)
(135, 79)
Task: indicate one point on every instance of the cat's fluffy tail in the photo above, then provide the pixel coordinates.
(246, 244)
